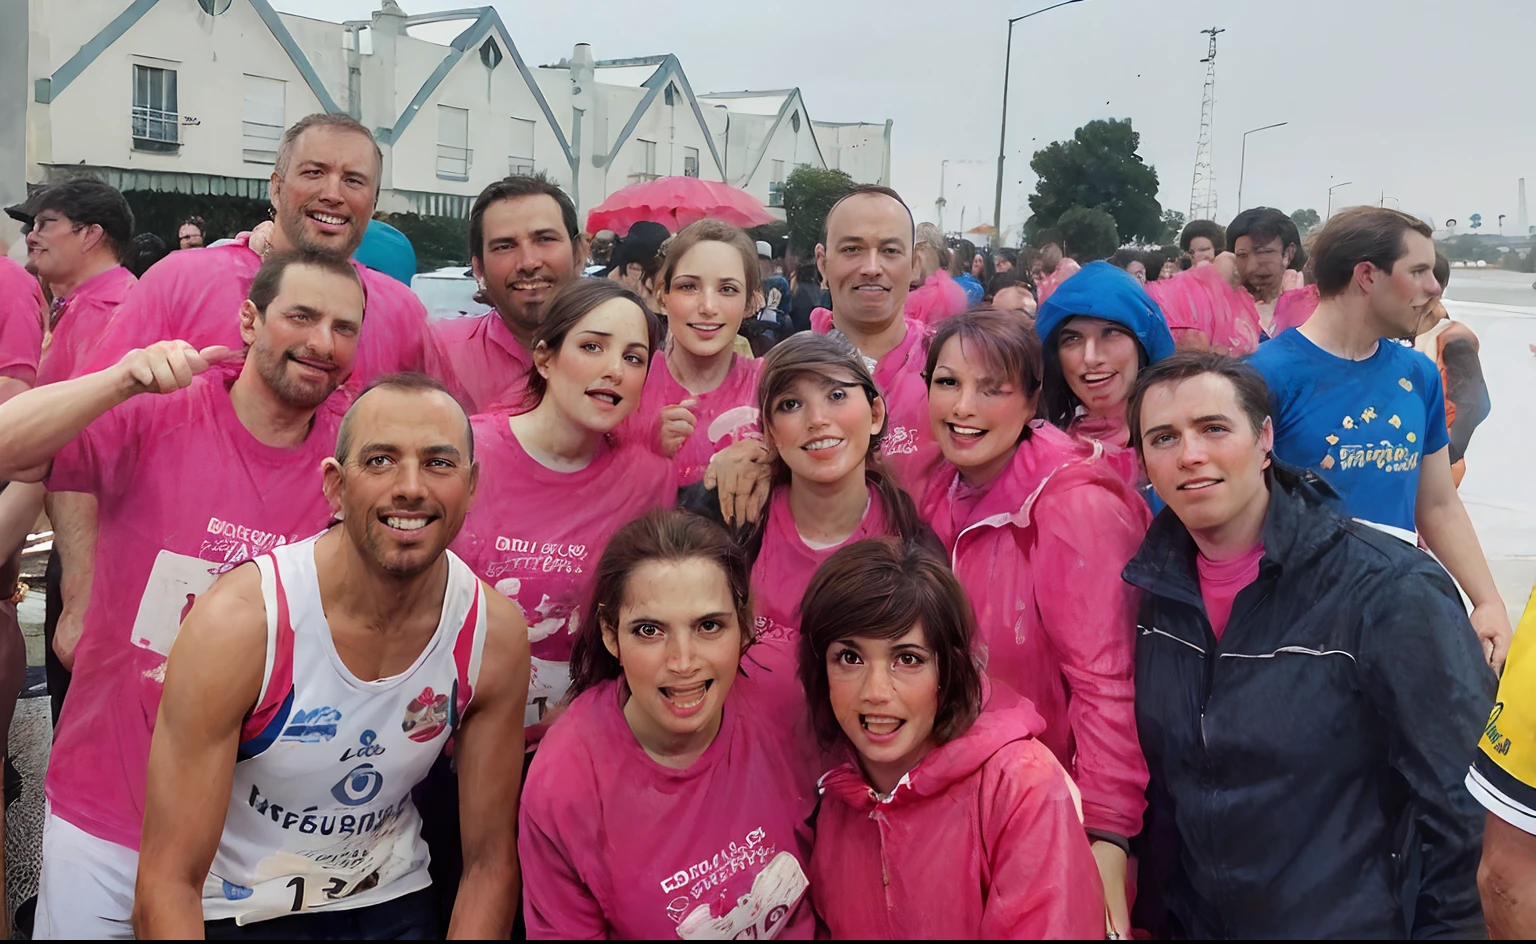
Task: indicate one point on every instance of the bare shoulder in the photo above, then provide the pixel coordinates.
(1458, 331)
(232, 615)
(506, 638)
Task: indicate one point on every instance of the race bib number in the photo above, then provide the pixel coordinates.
(175, 582)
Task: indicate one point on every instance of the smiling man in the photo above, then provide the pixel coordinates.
(199, 460)
(324, 187)
(524, 244)
(1309, 692)
(1369, 413)
(372, 643)
(866, 260)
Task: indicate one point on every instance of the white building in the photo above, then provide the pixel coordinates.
(191, 96)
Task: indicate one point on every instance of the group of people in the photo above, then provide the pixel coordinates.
(621, 632)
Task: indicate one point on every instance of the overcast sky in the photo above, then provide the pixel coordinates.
(1427, 101)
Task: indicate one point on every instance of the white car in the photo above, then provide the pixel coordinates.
(447, 293)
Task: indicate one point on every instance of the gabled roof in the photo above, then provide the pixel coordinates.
(48, 89)
(669, 69)
(488, 21)
(791, 96)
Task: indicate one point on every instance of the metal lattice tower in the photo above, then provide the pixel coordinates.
(1202, 193)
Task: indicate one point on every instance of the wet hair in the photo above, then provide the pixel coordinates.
(1002, 280)
(510, 188)
(712, 231)
(1252, 392)
(1210, 229)
(85, 201)
(1006, 346)
(1057, 401)
(1262, 225)
(406, 381)
(202, 226)
(147, 250)
(269, 278)
(571, 303)
(880, 589)
(290, 138)
(816, 355)
(866, 189)
(1011, 255)
(1361, 234)
(664, 536)
(960, 258)
(1122, 259)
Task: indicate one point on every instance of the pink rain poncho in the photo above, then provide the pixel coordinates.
(1049, 283)
(981, 840)
(936, 299)
(1293, 309)
(1205, 312)
(1039, 551)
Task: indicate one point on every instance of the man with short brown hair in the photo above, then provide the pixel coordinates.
(1369, 413)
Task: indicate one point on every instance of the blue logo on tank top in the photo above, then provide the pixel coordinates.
(237, 892)
(365, 748)
(312, 726)
(361, 784)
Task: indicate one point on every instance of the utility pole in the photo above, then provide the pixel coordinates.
(940, 202)
(1202, 192)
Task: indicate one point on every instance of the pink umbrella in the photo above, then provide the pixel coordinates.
(676, 202)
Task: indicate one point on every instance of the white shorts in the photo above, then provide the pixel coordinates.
(86, 888)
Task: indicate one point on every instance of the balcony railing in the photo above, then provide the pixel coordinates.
(155, 129)
(453, 163)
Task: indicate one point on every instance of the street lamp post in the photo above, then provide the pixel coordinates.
(997, 206)
(1243, 163)
(1330, 196)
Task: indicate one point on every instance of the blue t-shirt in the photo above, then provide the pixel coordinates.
(1364, 425)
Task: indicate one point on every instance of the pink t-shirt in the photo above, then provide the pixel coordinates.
(79, 321)
(909, 447)
(486, 360)
(536, 535)
(725, 415)
(615, 845)
(186, 493)
(783, 571)
(196, 297)
(1220, 582)
(21, 322)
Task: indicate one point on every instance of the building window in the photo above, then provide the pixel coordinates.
(778, 172)
(776, 185)
(690, 162)
(155, 118)
(520, 154)
(262, 124)
(647, 160)
(454, 157)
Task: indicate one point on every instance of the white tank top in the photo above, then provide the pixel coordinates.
(320, 814)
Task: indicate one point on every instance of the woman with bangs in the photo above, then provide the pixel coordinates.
(669, 802)
(700, 396)
(1038, 528)
(554, 484)
(948, 818)
(822, 422)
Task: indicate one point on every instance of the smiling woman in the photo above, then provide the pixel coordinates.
(554, 484)
(669, 802)
(952, 821)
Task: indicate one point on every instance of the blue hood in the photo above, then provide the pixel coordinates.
(387, 250)
(1100, 290)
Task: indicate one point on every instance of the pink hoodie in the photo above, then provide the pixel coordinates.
(909, 447)
(1039, 552)
(1293, 308)
(1201, 303)
(21, 322)
(615, 845)
(936, 299)
(982, 839)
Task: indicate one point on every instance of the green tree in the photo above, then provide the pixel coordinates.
(809, 193)
(1088, 233)
(1173, 225)
(1306, 220)
(1100, 169)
